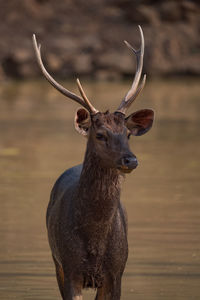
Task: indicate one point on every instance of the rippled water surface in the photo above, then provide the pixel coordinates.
(162, 196)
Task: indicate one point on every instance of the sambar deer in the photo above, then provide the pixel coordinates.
(86, 222)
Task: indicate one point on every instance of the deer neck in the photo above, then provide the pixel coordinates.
(99, 190)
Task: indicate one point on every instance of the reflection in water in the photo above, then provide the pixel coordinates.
(38, 142)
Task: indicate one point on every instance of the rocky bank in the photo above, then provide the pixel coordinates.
(86, 37)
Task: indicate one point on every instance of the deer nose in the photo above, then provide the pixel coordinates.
(129, 162)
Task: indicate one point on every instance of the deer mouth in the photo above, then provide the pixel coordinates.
(125, 169)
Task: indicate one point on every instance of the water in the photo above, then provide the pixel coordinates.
(38, 142)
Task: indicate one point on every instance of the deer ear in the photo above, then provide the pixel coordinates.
(82, 121)
(140, 121)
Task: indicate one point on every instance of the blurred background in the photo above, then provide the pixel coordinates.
(38, 141)
(85, 38)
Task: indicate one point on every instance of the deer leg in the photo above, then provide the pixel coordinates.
(100, 294)
(116, 294)
(60, 277)
(110, 292)
(72, 290)
(116, 290)
(67, 290)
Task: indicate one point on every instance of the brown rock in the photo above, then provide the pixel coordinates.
(85, 38)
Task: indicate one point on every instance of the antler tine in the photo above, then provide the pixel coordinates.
(92, 108)
(55, 84)
(134, 90)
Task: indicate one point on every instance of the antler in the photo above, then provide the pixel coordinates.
(135, 89)
(84, 102)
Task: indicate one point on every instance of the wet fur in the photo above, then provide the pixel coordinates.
(87, 227)
(95, 239)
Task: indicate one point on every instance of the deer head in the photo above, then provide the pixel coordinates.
(108, 133)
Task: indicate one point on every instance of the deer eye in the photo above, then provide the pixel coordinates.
(101, 137)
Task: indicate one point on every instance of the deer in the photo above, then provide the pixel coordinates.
(86, 221)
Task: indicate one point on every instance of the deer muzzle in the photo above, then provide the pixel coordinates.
(128, 163)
